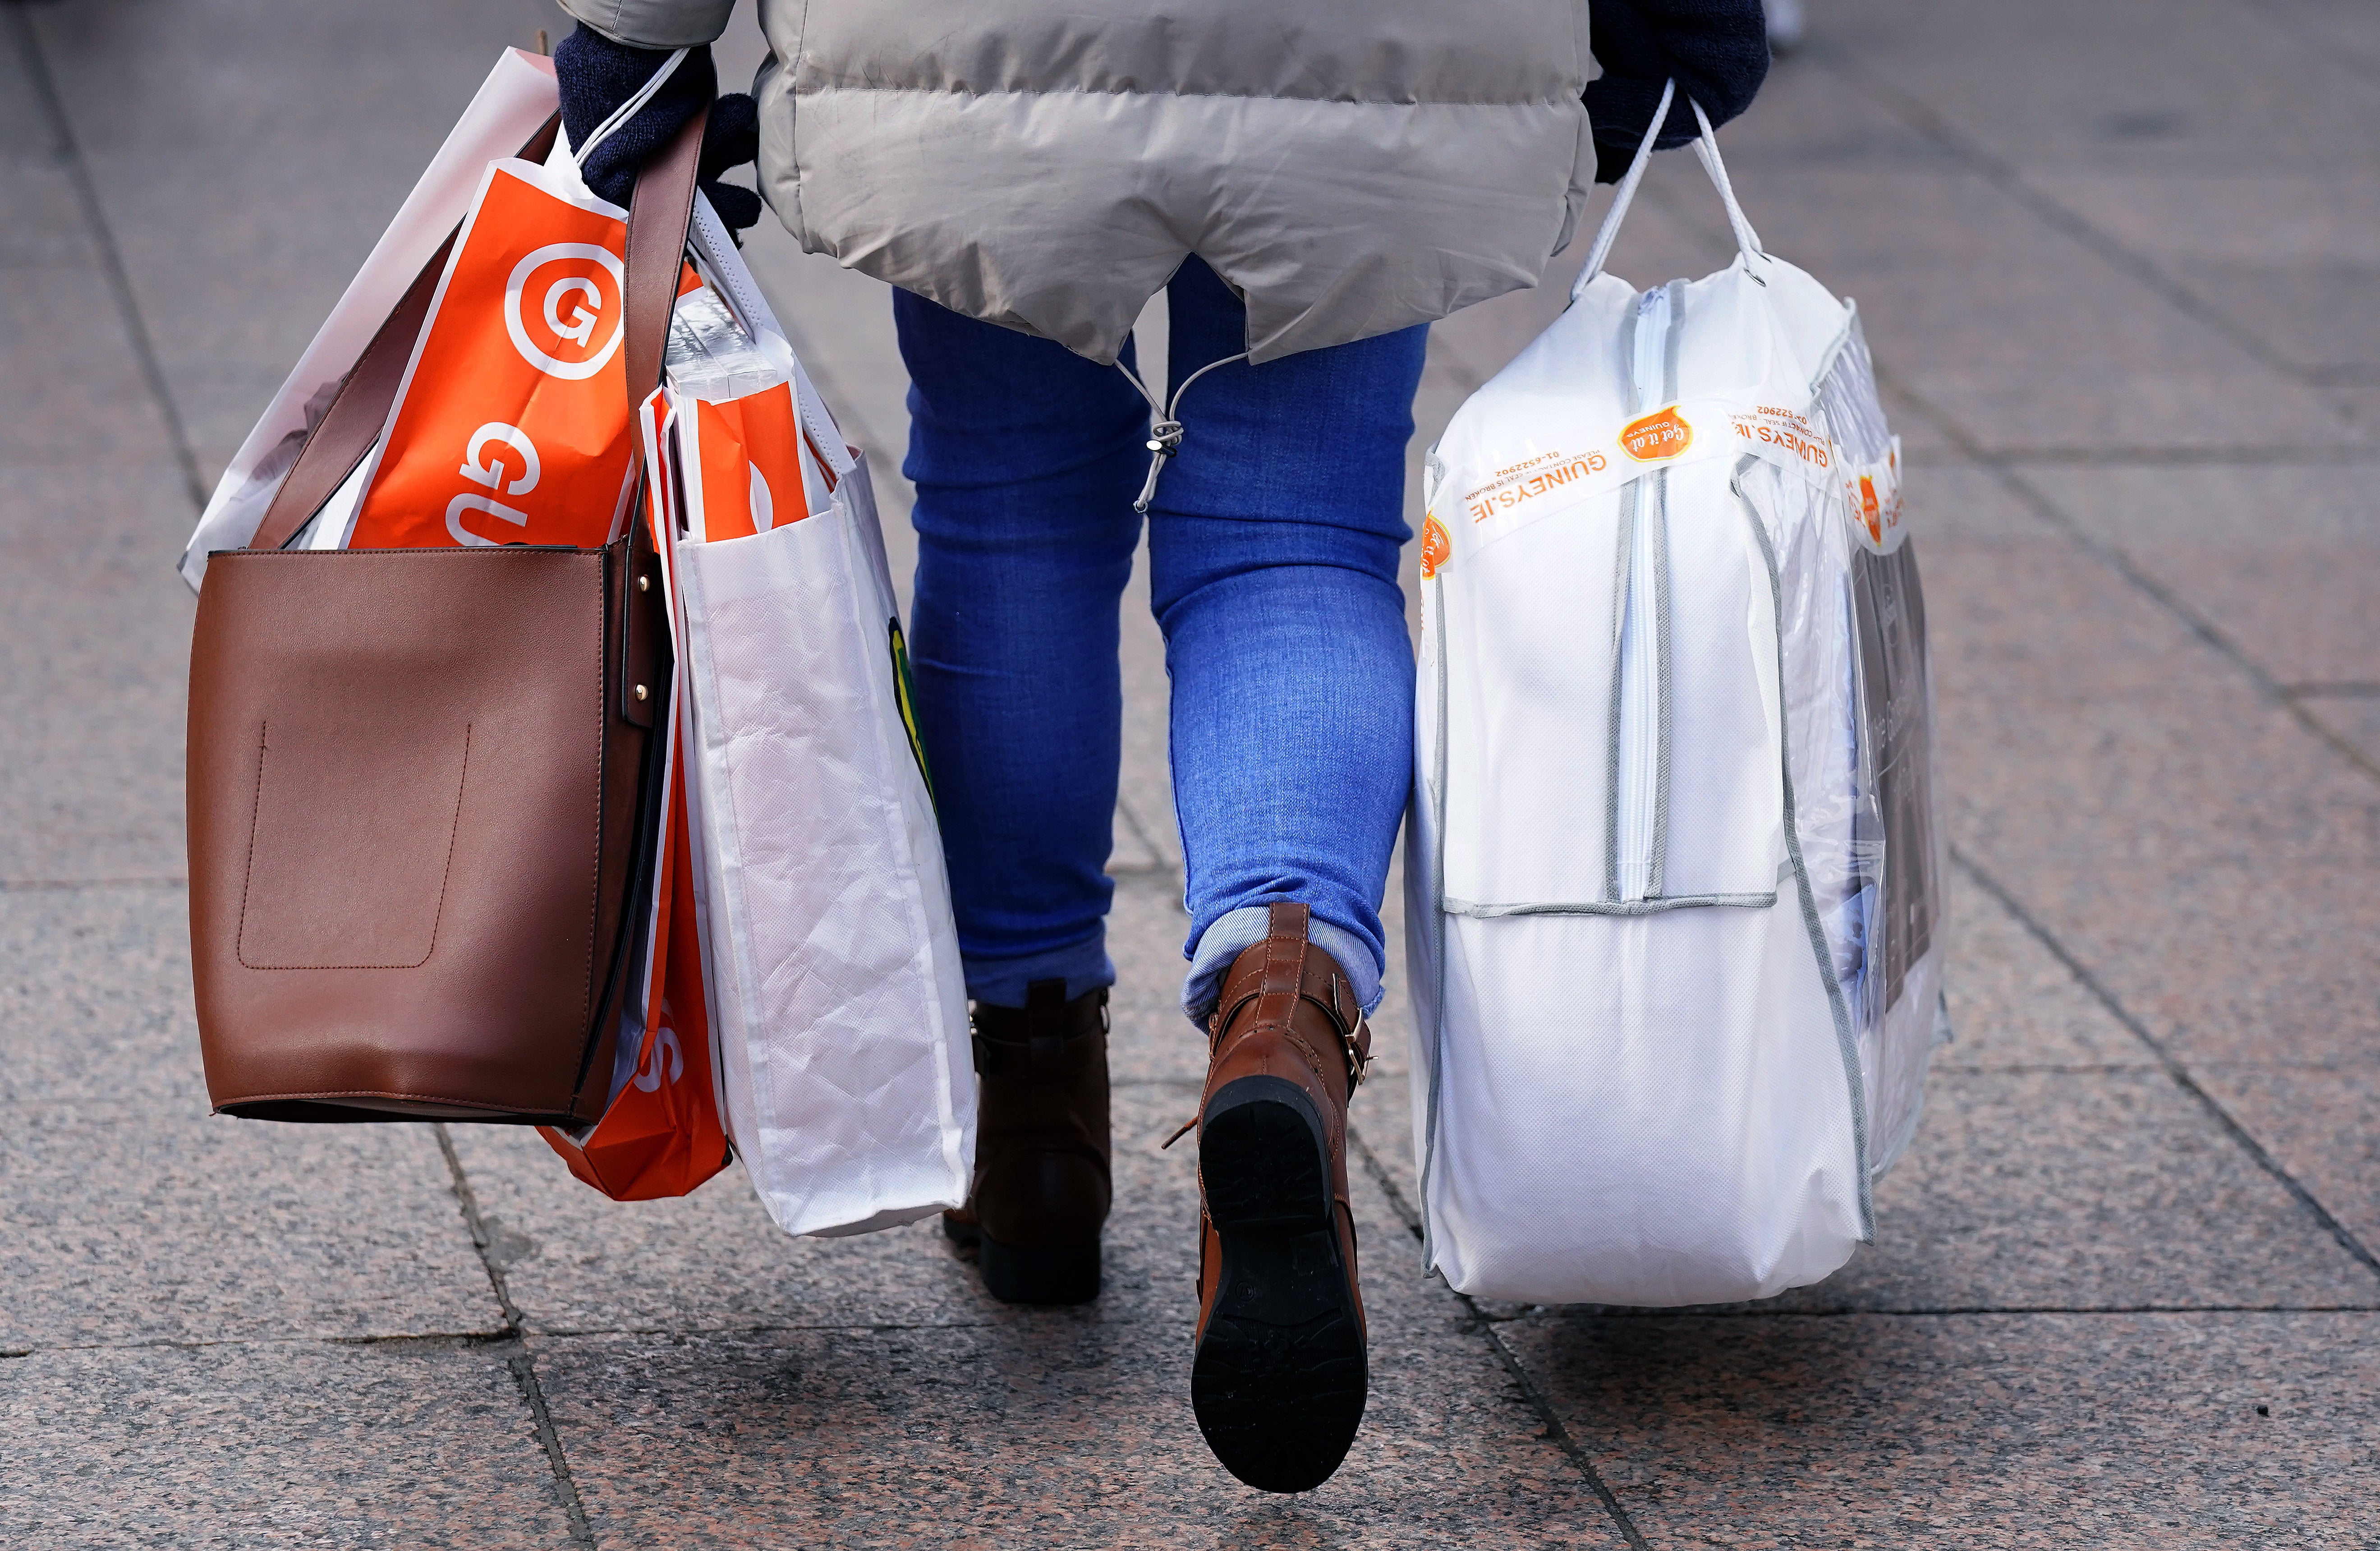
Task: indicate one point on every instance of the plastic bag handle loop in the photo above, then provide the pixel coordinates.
(1747, 241)
(630, 109)
(1622, 197)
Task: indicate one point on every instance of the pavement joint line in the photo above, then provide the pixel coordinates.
(1555, 1432)
(475, 1340)
(111, 260)
(2058, 217)
(2071, 1068)
(2336, 455)
(467, 1340)
(523, 1365)
(2174, 1066)
(77, 886)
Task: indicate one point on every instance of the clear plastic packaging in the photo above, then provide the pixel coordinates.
(711, 356)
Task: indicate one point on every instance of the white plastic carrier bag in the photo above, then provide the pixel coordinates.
(837, 998)
(1674, 873)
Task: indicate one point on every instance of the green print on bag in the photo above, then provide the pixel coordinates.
(904, 690)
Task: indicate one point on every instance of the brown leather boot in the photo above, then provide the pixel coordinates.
(1041, 1152)
(1277, 1380)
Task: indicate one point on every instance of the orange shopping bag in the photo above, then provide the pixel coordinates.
(748, 466)
(512, 423)
(662, 1134)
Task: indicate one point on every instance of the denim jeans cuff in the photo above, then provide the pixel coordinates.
(1243, 929)
(1003, 982)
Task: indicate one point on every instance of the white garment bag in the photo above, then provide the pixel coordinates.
(1674, 876)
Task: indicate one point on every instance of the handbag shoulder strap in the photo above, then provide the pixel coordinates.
(358, 412)
(659, 212)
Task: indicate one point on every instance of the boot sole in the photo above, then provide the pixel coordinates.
(1280, 1378)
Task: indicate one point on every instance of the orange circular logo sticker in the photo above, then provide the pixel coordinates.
(1435, 547)
(1661, 434)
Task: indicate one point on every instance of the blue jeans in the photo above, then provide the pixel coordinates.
(1273, 547)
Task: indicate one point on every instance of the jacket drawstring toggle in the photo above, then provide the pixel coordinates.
(1165, 427)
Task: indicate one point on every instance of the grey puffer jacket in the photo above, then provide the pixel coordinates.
(1349, 167)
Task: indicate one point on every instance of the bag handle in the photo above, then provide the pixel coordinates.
(630, 109)
(657, 214)
(1747, 241)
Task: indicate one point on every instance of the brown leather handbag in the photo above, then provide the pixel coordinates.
(421, 781)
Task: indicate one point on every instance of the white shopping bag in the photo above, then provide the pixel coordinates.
(1674, 877)
(837, 998)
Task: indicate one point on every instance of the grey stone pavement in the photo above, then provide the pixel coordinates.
(2120, 262)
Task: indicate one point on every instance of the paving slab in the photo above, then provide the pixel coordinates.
(247, 160)
(2354, 717)
(2208, 857)
(2100, 1190)
(2013, 1005)
(2053, 1148)
(88, 403)
(396, 1446)
(2011, 191)
(1047, 1428)
(1146, 779)
(2344, 32)
(2288, 255)
(2317, 1123)
(2132, 372)
(95, 991)
(93, 670)
(2276, 557)
(2069, 1190)
(144, 1223)
(2082, 1431)
(1149, 1041)
(2189, 86)
(1962, 303)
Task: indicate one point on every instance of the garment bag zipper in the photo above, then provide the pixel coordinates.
(1639, 709)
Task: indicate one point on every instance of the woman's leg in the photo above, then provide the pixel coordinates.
(1274, 541)
(1273, 549)
(1026, 458)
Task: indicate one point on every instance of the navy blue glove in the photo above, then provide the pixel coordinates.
(598, 75)
(1717, 50)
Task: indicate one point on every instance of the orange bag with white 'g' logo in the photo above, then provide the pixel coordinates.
(512, 423)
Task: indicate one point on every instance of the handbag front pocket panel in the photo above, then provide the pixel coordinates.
(352, 843)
